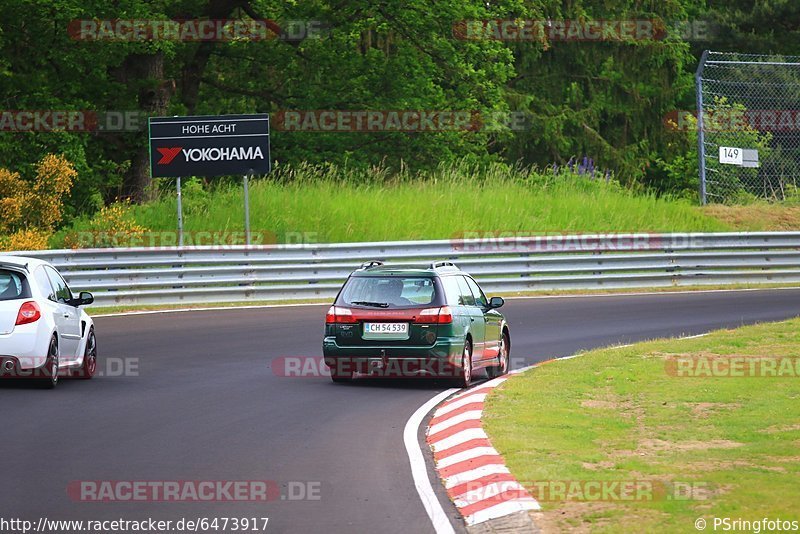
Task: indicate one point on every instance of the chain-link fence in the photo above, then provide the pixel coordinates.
(748, 126)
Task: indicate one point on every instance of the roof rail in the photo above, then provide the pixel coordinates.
(437, 264)
(371, 264)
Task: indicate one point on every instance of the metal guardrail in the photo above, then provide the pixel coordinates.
(215, 274)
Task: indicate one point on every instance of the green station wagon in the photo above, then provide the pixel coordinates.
(405, 321)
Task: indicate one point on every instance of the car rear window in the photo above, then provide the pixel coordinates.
(389, 291)
(13, 285)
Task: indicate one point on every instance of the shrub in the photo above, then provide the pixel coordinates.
(112, 226)
(29, 212)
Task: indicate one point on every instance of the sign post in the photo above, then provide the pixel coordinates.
(246, 212)
(209, 145)
(180, 213)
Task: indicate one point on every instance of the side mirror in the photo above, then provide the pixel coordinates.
(496, 302)
(84, 299)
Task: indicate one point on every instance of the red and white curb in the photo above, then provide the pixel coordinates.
(473, 472)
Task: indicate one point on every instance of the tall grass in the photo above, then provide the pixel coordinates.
(341, 205)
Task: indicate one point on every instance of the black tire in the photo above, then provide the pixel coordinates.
(49, 378)
(341, 372)
(341, 378)
(502, 365)
(464, 379)
(89, 367)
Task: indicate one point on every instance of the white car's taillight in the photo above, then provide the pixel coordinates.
(28, 313)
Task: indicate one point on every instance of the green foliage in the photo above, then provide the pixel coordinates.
(763, 27)
(605, 100)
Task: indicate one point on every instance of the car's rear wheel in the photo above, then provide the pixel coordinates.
(50, 368)
(341, 378)
(89, 367)
(502, 359)
(464, 379)
(341, 373)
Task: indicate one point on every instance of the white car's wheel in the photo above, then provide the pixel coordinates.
(89, 367)
(50, 368)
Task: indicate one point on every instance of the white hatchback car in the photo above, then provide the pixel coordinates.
(43, 332)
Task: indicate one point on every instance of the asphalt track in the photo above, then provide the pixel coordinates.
(205, 404)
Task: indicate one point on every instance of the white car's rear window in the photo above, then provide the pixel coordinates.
(13, 285)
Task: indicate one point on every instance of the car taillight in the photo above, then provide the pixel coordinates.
(28, 313)
(441, 315)
(337, 314)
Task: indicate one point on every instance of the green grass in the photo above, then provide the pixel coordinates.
(331, 205)
(618, 415)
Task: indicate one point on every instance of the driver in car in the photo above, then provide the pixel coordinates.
(392, 293)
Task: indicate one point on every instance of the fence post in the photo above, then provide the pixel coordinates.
(701, 137)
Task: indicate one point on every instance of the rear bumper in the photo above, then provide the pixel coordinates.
(13, 367)
(27, 346)
(443, 358)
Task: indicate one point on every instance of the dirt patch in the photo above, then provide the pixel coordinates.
(598, 466)
(775, 429)
(706, 496)
(586, 517)
(704, 410)
(757, 216)
(599, 404)
(722, 465)
(784, 459)
(608, 400)
(662, 445)
(649, 446)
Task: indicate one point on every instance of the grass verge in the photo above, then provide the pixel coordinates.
(711, 446)
(326, 204)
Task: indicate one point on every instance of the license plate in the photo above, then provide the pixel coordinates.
(385, 331)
